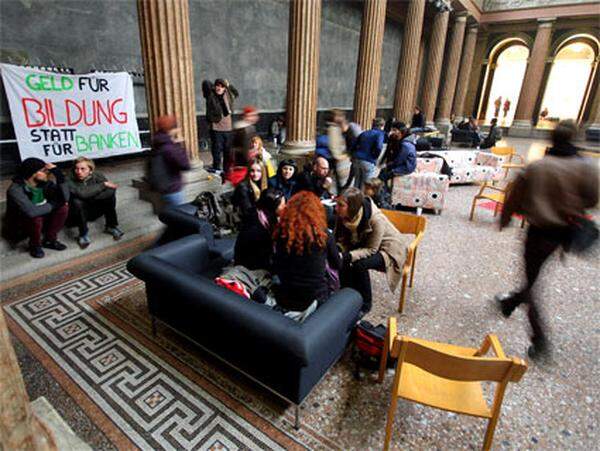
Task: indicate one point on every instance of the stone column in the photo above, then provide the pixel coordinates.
(369, 62)
(419, 71)
(303, 76)
(167, 54)
(532, 82)
(464, 74)
(407, 67)
(594, 120)
(476, 72)
(451, 67)
(434, 64)
(19, 427)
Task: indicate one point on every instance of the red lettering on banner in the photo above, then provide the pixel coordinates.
(39, 111)
(121, 117)
(70, 121)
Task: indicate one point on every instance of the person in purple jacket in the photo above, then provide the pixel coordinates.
(169, 159)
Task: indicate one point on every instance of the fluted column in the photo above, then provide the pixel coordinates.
(167, 54)
(451, 66)
(369, 62)
(532, 82)
(418, 71)
(407, 67)
(434, 64)
(594, 121)
(303, 75)
(464, 74)
(476, 72)
(19, 427)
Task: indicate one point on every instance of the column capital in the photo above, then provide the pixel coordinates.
(546, 22)
(461, 17)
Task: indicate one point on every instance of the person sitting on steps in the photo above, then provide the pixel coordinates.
(92, 196)
(37, 206)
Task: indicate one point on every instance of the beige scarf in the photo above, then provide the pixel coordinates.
(352, 226)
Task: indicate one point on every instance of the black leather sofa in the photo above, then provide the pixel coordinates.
(287, 357)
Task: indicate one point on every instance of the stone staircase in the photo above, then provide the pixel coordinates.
(136, 210)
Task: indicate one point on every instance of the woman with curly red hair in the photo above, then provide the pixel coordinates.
(304, 249)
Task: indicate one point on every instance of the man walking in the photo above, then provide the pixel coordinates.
(552, 194)
(368, 147)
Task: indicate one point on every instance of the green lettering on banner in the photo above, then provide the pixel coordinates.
(48, 83)
(98, 141)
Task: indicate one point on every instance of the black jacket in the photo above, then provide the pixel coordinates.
(303, 278)
(254, 245)
(307, 181)
(214, 109)
(91, 188)
(244, 202)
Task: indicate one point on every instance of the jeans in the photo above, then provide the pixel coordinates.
(539, 245)
(365, 170)
(356, 275)
(173, 199)
(81, 211)
(49, 225)
(221, 149)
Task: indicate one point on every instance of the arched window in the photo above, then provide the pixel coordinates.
(508, 62)
(569, 82)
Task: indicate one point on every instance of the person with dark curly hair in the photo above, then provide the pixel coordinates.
(304, 252)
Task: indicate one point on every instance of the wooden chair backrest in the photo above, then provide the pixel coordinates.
(406, 222)
(456, 367)
(503, 151)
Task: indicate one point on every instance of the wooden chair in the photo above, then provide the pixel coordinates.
(514, 161)
(448, 377)
(407, 223)
(493, 193)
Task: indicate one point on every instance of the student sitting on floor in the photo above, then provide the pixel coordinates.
(259, 152)
(92, 196)
(285, 179)
(306, 259)
(36, 206)
(378, 192)
(254, 243)
(369, 241)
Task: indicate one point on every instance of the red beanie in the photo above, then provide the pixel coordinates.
(165, 123)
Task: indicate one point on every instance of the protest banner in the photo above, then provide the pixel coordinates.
(59, 117)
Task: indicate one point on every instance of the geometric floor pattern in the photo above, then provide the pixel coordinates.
(153, 404)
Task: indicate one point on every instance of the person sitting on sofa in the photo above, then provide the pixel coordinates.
(285, 179)
(368, 241)
(306, 259)
(401, 153)
(92, 196)
(254, 244)
(247, 192)
(36, 206)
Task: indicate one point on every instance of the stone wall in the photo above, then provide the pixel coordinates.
(499, 5)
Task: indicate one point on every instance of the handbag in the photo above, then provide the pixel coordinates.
(583, 234)
(369, 342)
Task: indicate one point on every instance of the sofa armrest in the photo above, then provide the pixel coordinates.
(190, 253)
(488, 159)
(331, 323)
(182, 222)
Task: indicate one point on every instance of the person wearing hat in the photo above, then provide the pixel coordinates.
(243, 132)
(168, 160)
(37, 207)
(220, 96)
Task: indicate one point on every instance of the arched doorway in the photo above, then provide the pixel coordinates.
(508, 62)
(569, 82)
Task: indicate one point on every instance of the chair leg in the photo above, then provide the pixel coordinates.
(412, 268)
(496, 209)
(402, 294)
(383, 360)
(472, 209)
(297, 418)
(390, 421)
(489, 433)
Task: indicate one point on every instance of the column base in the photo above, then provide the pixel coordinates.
(521, 128)
(297, 148)
(592, 133)
(443, 125)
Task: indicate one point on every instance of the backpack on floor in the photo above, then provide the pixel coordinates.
(369, 341)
